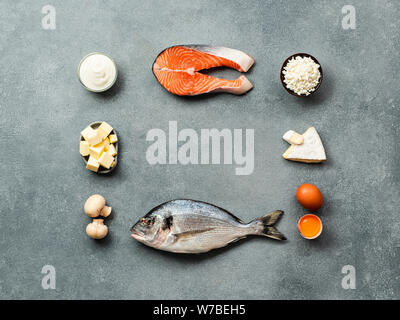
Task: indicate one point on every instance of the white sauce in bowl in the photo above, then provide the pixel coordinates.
(97, 72)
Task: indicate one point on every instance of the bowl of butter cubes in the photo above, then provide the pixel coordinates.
(98, 147)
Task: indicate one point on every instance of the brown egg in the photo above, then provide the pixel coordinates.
(309, 196)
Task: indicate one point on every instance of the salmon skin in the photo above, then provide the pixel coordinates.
(176, 69)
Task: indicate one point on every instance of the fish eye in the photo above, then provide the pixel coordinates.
(148, 221)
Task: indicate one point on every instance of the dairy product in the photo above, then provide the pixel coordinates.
(96, 144)
(111, 150)
(106, 160)
(97, 72)
(301, 75)
(104, 130)
(113, 138)
(93, 164)
(84, 148)
(311, 150)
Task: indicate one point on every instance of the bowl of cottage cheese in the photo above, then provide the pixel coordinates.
(301, 74)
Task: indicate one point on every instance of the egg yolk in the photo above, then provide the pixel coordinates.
(310, 226)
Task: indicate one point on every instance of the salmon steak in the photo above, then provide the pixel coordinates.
(177, 69)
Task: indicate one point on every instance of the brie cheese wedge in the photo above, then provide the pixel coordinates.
(310, 150)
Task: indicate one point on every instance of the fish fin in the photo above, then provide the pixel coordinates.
(271, 218)
(264, 225)
(273, 233)
(188, 234)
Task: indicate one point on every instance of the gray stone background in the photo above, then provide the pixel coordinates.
(45, 184)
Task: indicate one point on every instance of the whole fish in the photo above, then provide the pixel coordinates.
(189, 226)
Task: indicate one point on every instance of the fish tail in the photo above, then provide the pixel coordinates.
(264, 226)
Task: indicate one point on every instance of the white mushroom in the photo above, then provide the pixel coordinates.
(97, 229)
(105, 212)
(96, 206)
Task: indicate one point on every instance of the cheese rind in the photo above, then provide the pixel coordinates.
(106, 160)
(104, 130)
(84, 148)
(93, 164)
(293, 137)
(310, 151)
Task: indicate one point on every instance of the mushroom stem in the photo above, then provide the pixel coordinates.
(97, 229)
(106, 211)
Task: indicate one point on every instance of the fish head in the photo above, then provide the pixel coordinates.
(151, 229)
(146, 228)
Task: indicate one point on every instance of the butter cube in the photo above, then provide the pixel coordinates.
(104, 130)
(85, 132)
(111, 150)
(106, 160)
(84, 148)
(113, 138)
(91, 136)
(106, 142)
(96, 151)
(93, 164)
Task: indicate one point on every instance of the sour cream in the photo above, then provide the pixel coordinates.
(97, 72)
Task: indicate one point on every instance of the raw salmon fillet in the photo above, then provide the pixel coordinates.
(176, 69)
